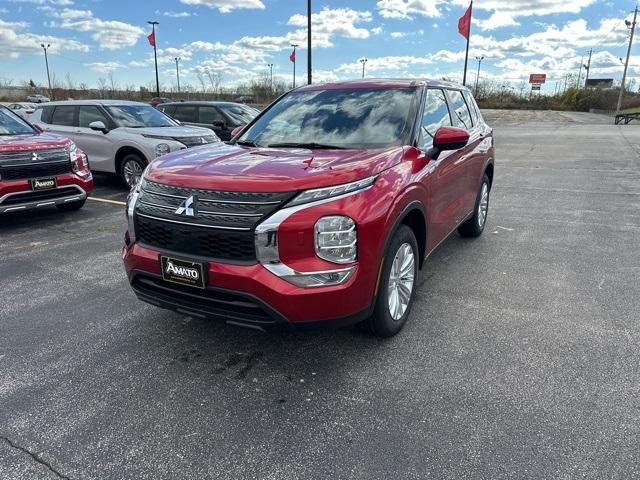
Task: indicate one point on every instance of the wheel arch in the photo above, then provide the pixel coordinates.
(415, 217)
(123, 152)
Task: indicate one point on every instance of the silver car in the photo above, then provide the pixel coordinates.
(25, 110)
(118, 136)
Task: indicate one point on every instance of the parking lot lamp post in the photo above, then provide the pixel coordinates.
(178, 73)
(626, 63)
(363, 61)
(309, 42)
(270, 65)
(478, 75)
(587, 68)
(155, 54)
(46, 61)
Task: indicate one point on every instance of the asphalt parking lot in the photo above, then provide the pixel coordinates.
(522, 359)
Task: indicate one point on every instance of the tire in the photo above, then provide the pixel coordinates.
(131, 168)
(71, 206)
(383, 323)
(475, 225)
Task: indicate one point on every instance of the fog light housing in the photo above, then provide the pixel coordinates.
(336, 239)
(162, 149)
(320, 279)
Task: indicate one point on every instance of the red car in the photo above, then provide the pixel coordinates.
(321, 211)
(38, 169)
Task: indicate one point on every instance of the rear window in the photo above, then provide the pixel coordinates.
(63, 116)
(473, 106)
(461, 114)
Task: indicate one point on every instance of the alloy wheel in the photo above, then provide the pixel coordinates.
(401, 280)
(132, 170)
(483, 206)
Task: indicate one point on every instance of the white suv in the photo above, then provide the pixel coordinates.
(118, 136)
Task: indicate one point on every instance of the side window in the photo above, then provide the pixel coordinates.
(461, 114)
(185, 113)
(64, 116)
(209, 115)
(473, 107)
(88, 114)
(167, 109)
(47, 112)
(436, 114)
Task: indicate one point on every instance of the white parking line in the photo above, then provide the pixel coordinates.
(106, 200)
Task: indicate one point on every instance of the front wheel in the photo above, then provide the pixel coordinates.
(397, 285)
(131, 169)
(475, 225)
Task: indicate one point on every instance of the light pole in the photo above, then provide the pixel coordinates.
(46, 61)
(270, 65)
(587, 68)
(631, 25)
(309, 42)
(363, 61)
(294, 45)
(155, 54)
(478, 75)
(178, 73)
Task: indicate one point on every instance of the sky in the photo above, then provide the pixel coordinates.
(237, 39)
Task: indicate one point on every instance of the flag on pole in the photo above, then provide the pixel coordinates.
(152, 39)
(464, 23)
(292, 57)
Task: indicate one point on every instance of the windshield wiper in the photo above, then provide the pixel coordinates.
(311, 145)
(246, 143)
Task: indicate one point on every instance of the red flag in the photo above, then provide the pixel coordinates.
(152, 39)
(292, 57)
(464, 23)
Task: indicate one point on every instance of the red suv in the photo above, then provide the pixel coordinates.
(38, 169)
(321, 210)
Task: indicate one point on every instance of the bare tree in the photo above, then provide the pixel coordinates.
(102, 86)
(113, 85)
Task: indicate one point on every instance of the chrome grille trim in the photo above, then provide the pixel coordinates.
(180, 222)
(25, 157)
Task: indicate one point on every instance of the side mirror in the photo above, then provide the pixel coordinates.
(98, 126)
(448, 138)
(236, 131)
(219, 124)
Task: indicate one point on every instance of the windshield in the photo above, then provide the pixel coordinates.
(349, 118)
(138, 116)
(12, 124)
(240, 114)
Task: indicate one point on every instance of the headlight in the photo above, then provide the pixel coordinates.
(73, 151)
(336, 239)
(328, 192)
(162, 149)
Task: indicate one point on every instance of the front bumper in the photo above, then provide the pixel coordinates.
(17, 195)
(250, 295)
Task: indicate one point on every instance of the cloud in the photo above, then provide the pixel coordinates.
(225, 6)
(504, 13)
(59, 3)
(176, 14)
(110, 34)
(104, 67)
(408, 9)
(333, 22)
(14, 41)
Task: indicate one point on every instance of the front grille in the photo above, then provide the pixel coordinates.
(210, 302)
(221, 227)
(197, 141)
(34, 171)
(18, 165)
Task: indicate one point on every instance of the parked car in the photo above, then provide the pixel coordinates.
(321, 212)
(159, 101)
(118, 136)
(37, 99)
(23, 109)
(39, 169)
(221, 117)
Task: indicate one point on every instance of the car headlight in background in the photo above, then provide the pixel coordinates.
(162, 149)
(336, 239)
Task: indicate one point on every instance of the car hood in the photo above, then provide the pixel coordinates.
(32, 142)
(169, 132)
(230, 167)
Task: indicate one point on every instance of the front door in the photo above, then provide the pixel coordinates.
(96, 144)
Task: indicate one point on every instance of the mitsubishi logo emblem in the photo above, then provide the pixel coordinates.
(34, 157)
(188, 207)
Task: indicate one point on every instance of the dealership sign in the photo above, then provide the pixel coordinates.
(538, 78)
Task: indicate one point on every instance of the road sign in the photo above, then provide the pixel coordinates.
(535, 87)
(537, 78)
